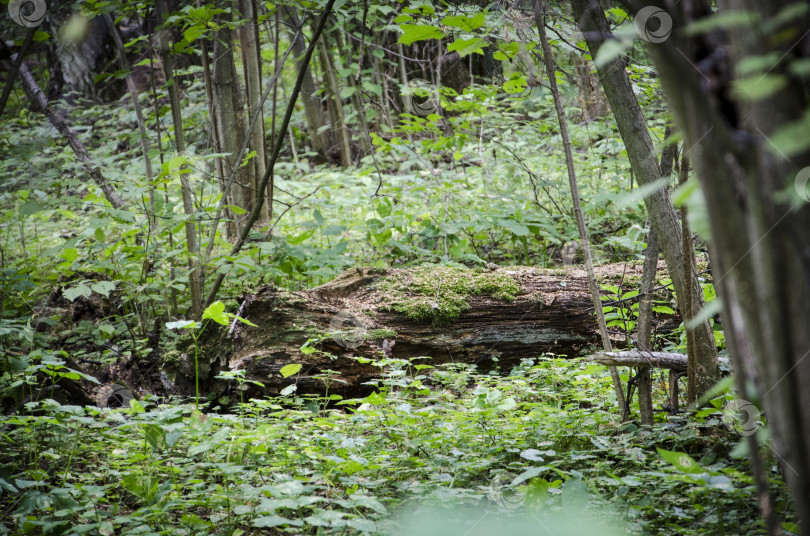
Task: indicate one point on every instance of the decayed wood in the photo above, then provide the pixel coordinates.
(551, 314)
(636, 358)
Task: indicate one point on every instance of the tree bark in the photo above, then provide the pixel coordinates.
(635, 358)
(339, 122)
(640, 151)
(251, 64)
(760, 238)
(231, 129)
(351, 316)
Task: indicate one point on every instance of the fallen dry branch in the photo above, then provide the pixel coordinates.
(635, 358)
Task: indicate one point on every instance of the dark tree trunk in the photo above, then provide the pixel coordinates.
(758, 212)
(641, 153)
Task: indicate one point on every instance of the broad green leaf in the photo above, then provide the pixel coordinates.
(80, 290)
(155, 436)
(418, 32)
(610, 50)
(516, 84)
(103, 287)
(70, 254)
(375, 399)
(690, 195)
(174, 163)
(723, 20)
(760, 87)
(30, 207)
(465, 47)
(275, 521)
(216, 312)
(790, 139)
(464, 22)
(681, 461)
(288, 370)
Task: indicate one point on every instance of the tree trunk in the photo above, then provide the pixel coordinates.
(251, 63)
(195, 282)
(312, 104)
(760, 246)
(73, 64)
(351, 316)
(231, 130)
(591, 96)
(640, 151)
(339, 116)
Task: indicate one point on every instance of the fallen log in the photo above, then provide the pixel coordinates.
(635, 358)
(490, 318)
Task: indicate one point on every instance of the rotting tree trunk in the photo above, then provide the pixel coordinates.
(552, 313)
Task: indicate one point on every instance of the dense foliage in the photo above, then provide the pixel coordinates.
(444, 450)
(440, 179)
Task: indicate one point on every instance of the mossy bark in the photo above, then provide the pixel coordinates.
(358, 315)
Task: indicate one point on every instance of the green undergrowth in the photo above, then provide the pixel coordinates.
(441, 294)
(441, 450)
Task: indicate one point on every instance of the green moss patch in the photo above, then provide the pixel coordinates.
(441, 294)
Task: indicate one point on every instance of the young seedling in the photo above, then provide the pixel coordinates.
(216, 312)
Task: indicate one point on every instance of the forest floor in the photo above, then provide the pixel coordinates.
(437, 450)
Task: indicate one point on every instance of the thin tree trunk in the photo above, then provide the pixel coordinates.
(188, 207)
(357, 92)
(644, 326)
(551, 69)
(688, 310)
(339, 122)
(640, 151)
(251, 63)
(38, 98)
(312, 104)
(133, 93)
(231, 125)
(285, 122)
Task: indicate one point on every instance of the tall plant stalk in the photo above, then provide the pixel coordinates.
(551, 70)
